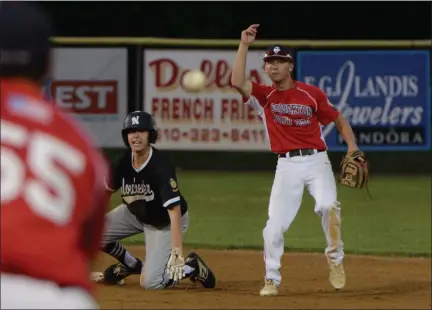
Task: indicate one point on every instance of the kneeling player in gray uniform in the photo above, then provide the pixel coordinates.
(153, 204)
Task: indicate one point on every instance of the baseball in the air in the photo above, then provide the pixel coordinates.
(194, 81)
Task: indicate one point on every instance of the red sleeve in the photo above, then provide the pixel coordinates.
(260, 92)
(327, 113)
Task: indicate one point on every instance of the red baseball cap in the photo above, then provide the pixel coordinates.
(277, 51)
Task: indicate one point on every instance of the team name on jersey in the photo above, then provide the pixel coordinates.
(285, 120)
(134, 191)
(291, 109)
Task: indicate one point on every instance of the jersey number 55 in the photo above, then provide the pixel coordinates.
(40, 177)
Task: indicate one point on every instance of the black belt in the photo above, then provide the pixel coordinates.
(301, 152)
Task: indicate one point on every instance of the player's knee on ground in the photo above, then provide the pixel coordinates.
(152, 281)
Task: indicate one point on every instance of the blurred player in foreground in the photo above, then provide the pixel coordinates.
(53, 197)
(151, 203)
(294, 113)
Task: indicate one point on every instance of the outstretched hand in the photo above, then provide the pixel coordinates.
(248, 35)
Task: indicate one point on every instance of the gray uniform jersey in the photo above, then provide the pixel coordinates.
(147, 194)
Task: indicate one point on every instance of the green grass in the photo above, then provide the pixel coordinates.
(229, 210)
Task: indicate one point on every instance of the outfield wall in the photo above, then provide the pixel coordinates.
(383, 88)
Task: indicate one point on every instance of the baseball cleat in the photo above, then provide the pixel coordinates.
(202, 273)
(270, 288)
(118, 272)
(337, 276)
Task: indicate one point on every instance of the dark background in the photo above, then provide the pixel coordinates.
(278, 20)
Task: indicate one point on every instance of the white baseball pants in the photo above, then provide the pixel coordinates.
(22, 292)
(292, 175)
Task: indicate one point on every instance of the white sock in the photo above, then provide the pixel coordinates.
(130, 260)
(188, 269)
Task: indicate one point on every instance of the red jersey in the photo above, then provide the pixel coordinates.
(53, 198)
(293, 118)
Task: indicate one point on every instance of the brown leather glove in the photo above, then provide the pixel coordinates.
(354, 170)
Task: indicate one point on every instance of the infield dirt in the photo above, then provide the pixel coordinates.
(372, 283)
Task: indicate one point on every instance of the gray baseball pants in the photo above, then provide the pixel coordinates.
(120, 224)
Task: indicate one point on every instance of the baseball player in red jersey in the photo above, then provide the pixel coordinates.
(53, 197)
(293, 114)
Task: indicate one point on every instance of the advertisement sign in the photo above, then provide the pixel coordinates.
(385, 95)
(91, 83)
(214, 119)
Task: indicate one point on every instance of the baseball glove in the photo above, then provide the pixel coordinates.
(354, 170)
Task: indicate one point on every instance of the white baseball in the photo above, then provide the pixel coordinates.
(194, 81)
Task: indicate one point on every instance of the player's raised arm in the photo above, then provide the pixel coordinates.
(238, 77)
